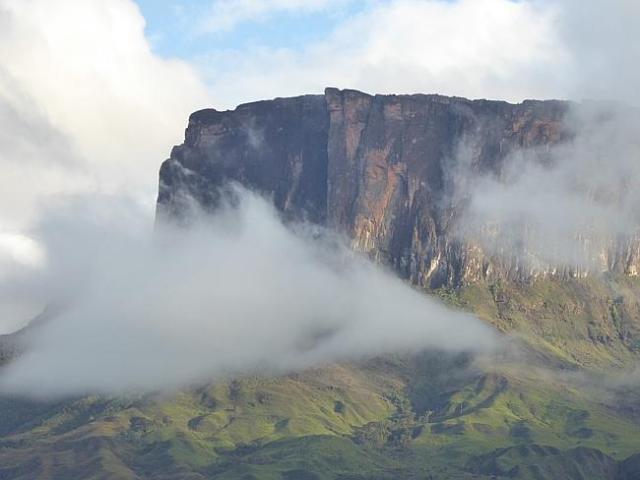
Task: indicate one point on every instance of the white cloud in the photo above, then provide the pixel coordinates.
(85, 106)
(235, 294)
(20, 249)
(475, 48)
(19, 255)
(602, 37)
(85, 102)
(499, 49)
(572, 206)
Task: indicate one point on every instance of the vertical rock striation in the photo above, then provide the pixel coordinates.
(386, 169)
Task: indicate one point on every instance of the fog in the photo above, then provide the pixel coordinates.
(234, 293)
(574, 205)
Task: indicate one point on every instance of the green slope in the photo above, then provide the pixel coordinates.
(545, 408)
(592, 322)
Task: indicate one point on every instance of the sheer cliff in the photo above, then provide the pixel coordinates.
(393, 174)
(390, 171)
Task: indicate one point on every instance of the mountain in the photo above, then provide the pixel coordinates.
(392, 173)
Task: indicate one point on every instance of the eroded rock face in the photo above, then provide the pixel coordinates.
(278, 148)
(384, 169)
(392, 173)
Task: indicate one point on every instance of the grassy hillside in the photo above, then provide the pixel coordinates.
(591, 323)
(546, 407)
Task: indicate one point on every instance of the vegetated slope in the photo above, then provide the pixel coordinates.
(546, 407)
(529, 413)
(591, 322)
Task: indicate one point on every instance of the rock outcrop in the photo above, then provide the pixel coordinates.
(276, 147)
(384, 169)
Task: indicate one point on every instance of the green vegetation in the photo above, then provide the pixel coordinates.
(591, 323)
(545, 408)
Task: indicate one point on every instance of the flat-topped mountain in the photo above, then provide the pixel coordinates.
(386, 170)
(394, 174)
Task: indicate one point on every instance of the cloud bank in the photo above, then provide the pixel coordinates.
(85, 105)
(238, 292)
(573, 206)
(474, 48)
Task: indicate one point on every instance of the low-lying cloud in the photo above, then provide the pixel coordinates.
(574, 204)
(240, 291)
(235, 293)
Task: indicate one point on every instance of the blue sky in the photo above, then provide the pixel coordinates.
(174, 28)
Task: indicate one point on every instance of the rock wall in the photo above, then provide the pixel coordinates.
(276, 147)
(384, 169)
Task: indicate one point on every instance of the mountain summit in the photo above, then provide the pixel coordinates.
(394, 173)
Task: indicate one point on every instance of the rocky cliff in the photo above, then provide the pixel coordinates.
(384, 169)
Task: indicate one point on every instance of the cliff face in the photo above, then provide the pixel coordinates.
(383, 169)
(393, 170)
(275, 147)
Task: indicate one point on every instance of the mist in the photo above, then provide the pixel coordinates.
(139, 309)
(236, 292)
(573, 205)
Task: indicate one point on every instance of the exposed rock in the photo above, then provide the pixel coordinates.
(380, 168)
(276, 147)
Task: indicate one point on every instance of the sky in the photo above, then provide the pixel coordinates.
(94, 93)
(190, 29)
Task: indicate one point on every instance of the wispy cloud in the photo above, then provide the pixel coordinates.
(573, 205)
(497, 49)
(84, 103)
(239, 292)
(513, 52)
